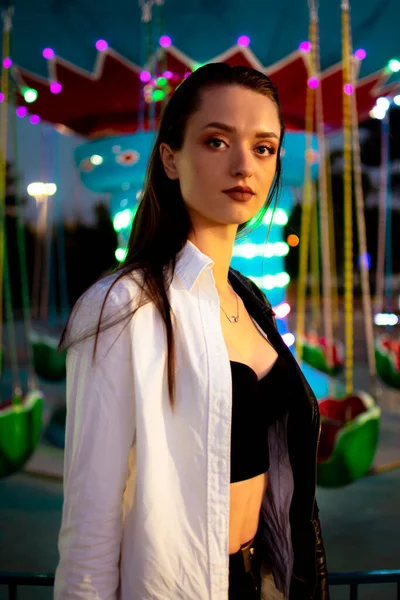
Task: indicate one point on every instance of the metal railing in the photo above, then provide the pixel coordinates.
(357, 578)
(14, 580)
(353, 580)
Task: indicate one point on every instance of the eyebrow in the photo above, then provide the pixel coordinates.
(230, 129)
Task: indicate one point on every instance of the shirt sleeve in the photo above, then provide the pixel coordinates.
(100, 432)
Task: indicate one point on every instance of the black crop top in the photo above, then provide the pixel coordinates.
(255, 406)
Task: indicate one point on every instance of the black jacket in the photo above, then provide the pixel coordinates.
(309, 578)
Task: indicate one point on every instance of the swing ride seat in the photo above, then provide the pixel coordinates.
(20, 431)
(48, 361)
(314, 353)
(349, 438)
(387, 356)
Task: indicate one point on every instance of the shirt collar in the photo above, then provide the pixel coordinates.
(190, 263)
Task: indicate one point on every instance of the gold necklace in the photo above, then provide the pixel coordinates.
(233, 318)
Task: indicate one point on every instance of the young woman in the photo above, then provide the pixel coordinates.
(191, 434)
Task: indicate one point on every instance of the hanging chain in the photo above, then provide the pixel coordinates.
(146, 6)
(348, 199)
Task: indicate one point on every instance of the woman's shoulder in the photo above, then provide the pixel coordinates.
(106, 299)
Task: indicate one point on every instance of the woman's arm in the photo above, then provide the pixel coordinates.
(100, 430)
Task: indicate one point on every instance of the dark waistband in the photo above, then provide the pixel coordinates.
(243, 558)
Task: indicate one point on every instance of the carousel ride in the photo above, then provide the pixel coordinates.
(116, 108)
(349, 418)
(20, 414)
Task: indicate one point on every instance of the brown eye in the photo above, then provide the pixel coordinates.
(268, 150)
(211, 142)
(127, 158)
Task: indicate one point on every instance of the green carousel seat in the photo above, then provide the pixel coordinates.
(48, 361)
(314, 353)
(387, 356)
(20, 431)
(349, 438)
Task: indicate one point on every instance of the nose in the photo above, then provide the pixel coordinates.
(241, 165)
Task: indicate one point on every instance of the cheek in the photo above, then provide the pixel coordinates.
(194, 177)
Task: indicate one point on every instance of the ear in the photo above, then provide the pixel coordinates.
(168, 159)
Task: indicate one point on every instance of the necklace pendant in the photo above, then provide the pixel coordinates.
(234, 319)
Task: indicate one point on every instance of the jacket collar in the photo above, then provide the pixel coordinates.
(190, 263)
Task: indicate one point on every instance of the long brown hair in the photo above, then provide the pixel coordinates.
(162, 225)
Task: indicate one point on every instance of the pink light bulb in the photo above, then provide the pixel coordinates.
(360, 54)
(165, 41)
(101, 45)
(48, 53)
(313, 83)
(1, 97)
(243, 40)
(305, 46)
(35, 119)
(21, 111)
(55, 87)
(186, 75)
(168, 74)
(145, 76)
(7, 62)
(348, 89)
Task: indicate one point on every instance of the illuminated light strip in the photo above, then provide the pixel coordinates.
(120, 254)
(288, 338)
(280, 217)
(249, 250)
(386, 319)
(282, 310)
(270, 282)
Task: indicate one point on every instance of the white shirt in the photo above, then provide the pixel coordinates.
(146, 490)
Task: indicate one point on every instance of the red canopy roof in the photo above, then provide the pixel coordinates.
(110, 99)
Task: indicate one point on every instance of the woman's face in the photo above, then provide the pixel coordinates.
(232, 140)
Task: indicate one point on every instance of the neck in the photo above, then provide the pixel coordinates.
(218, 245)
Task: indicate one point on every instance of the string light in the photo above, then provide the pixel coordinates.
(21, 111)
(348, 89)
(96, 159)
(165, 41)
(396, 100)
(288, 338)
(101, 45)
(313, 83)
(360, 54)
(7, 63)
(158, 95)
(250, 250)
(123, 219)
(120, 254)
(55, 87)
(386, 319)
(293, 240)
(378, 112)
(35, 119)
(394, 65)
(38, 188)
(282, 310)
(383, 103)
(243, 40)
(270, 282)
(145, 76)
(48, 53)
(305, 46)
(30, 95)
